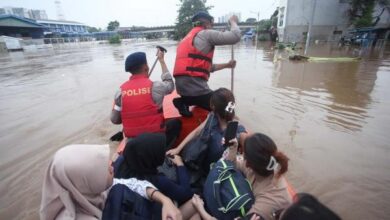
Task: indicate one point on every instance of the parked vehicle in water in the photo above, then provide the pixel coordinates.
(249, 35)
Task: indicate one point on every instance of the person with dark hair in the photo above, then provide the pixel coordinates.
(194, 61)
(141, 158)
(307, 207)
(138, 104)
(222, 103)
(263, 165)
(76, 183)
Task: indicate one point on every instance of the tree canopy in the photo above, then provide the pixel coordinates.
(93, 29)
(187, 9)
(264, 25)
(113, 25)
(361, 12)
(251, 20)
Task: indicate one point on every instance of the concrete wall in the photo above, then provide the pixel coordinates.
(330, 16)
(327, 12)
(385, 17)
(32, 42)
(322, 33)
(3, 47)
(22, 32)
(11, 43)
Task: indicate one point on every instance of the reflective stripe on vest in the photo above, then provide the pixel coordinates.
(189, 60)
(139, 112)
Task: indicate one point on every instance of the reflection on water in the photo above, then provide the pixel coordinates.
(330, 118)
(341, 89)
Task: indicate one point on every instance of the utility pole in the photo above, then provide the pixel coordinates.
(310, 26)
(257, 27)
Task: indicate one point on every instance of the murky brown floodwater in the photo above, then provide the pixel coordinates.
(332, 119)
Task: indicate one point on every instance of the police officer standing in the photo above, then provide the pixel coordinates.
(194, 61)
(138, 104)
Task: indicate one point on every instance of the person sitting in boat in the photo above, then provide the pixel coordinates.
(194, 59)
(141, 158)
(263, 165)
(198, 204)
(76, 183)
(307, 207)
(138, 104)
(222, 103)
(304, 207)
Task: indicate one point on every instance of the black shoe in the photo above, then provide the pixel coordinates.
(183, 109)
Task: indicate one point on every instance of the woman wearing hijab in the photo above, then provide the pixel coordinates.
(76, 182)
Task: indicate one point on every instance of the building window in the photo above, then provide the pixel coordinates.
(281, 17)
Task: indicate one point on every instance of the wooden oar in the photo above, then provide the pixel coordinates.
(117, 137)
(232, 73)
(154, 64)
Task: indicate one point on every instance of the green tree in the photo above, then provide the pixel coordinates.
(93, 29)
(361, 12)
(274, 18)
(264, 25)
(187, 9)
(116, 39)
(251, 20)
(113, 25)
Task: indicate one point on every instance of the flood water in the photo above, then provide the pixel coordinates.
(331, 119)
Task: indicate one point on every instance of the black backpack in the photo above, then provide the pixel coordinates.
(226, 192)
(124, 204)
(194, 152)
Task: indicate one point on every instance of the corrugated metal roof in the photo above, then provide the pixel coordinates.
(29, 22)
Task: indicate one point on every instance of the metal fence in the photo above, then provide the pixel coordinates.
(67, 40)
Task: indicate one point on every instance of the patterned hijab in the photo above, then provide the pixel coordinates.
(75, 183)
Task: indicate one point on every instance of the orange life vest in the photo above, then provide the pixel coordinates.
(189, 60)
(139, 112)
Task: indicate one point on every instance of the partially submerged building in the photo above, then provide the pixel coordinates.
(14, 26)
(60, 28)
(330, 19)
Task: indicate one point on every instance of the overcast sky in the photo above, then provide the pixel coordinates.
(98, 13)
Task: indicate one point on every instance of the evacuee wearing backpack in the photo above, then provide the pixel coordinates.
(222, 103)
(264, 166)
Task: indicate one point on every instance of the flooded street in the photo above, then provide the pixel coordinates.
(331, 118)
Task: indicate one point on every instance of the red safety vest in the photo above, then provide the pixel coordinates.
(189, 60)
(139, 112)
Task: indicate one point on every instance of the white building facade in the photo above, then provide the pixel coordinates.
(24, 13)
(329, 19)
(225, 18)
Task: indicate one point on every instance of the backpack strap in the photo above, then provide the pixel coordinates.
(227, 175)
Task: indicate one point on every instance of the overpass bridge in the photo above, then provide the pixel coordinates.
(167, 29)
(158, 32)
